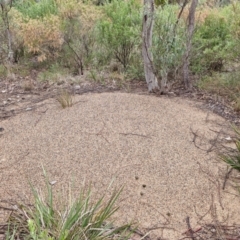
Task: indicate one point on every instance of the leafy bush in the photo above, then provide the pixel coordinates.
(41, 37)
(233, 17)
(81, 219)
(168, 41)
(119, 30)
(36, 9)
(211, 44)
(78, 21)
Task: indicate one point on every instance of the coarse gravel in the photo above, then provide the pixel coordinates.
(143, 142)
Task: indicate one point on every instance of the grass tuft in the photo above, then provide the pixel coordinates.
(82, 219)
(65, 99)
(233, 158)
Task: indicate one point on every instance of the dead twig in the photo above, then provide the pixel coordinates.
(195, 138)
(135, 134)
(40, 117)
(189, 231)
(226, 178)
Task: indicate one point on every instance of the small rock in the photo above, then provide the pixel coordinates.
(4, 102)
(28, 109)
(228, 139)
(77, 87)
(52, 182)
(3, 91)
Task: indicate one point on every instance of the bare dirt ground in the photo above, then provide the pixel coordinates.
(160, 148)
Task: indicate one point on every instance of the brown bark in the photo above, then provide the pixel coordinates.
(147, 31)
(190, 30)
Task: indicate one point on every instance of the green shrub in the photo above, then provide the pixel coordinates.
(233, 158)
(119, 31)
(168, 41)
(78, 20)
(211, 43)
(36, 9)
(79, 219)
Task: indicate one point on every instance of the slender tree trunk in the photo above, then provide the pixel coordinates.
(190, 30)
(147, 31)
(5, 7)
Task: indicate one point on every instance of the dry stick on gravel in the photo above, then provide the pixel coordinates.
(205, 214)
(190, 231)
(99, 133)
(195, 136)
(214, 181)
(38, 120)
(227, 177)
(213, 142)
(135, 134)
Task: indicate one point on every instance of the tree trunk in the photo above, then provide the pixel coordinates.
(6, 6)
(190, 30)
(147, 32)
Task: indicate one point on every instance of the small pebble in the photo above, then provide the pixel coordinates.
(52, 182)
(77, 87)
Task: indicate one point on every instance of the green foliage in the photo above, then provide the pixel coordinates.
(168, 41)
(233, 159)
(211, 44)
(36, 9)
(54, 73)
(82, 219)
(119, 30)
(233, 14)
(78, 20)
(223, 84)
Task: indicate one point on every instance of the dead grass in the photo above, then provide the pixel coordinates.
(65, 99)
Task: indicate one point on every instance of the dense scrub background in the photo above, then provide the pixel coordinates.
(88, 37)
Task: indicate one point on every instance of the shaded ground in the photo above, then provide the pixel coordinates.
(143, 142)
(20, 94)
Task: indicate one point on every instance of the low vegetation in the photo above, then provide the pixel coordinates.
(78, 36)
(65, 99)
(50, 218)
(233, 158)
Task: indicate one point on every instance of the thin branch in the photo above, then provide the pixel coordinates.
(226, 178)
(190, 231)
(135, 134)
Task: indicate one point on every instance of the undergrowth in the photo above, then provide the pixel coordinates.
(83, 218)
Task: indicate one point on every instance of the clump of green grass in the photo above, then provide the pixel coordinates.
(233, 158)
(65, 99)
(82, 219)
